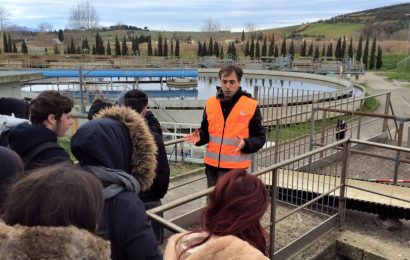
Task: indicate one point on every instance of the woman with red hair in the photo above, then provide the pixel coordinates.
(231, 223)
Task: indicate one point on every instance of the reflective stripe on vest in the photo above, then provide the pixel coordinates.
(220, 148)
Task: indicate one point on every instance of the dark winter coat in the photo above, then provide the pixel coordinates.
(119, 150)
(257, 132)
(160, 186)
(25, 137)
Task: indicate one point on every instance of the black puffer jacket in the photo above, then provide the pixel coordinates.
(25, 137)
(120, 150)
(160, 186)
(257, 132)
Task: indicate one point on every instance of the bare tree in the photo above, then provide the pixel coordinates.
(211, 26)
(83, 16)
(250, 27)
(45, 27)
(4, 14)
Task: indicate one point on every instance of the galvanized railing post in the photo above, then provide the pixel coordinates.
(274, 183)
(343, 179)
(386, 111)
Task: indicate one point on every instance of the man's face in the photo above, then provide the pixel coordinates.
(63, 124)
(229, 84)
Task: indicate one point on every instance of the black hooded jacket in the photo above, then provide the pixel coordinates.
(257, 132)
(25, 137)
(110, 145)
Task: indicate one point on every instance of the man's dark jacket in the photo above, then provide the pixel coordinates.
(25, 137)
(257, 132)
(160, 186)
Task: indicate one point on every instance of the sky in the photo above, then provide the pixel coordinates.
(183, 15)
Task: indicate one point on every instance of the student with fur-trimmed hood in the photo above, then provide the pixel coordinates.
(117, 147)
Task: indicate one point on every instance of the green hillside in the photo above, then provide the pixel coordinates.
(333, 31)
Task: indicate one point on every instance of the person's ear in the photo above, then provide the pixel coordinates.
(51, 119)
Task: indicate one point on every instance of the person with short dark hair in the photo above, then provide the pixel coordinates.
(138, 101)
(231, 227)
(96, 107)
(43, 207)
(11, 170)
(37, 143)
(231, 127)
(118, 148)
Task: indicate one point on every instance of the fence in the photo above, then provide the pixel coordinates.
(299, 191)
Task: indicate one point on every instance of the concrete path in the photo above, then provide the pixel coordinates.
(400, 97)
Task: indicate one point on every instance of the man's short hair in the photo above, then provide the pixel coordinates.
(49, 102)
(136, 99)
(96, 107)
(228, 69)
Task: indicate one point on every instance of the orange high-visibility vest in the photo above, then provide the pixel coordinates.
(223, 136)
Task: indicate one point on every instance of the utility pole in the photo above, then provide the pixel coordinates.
(408, 36)
(81, 88)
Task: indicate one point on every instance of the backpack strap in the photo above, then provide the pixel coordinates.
(38, 149)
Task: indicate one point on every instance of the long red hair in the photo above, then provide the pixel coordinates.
(235, 207)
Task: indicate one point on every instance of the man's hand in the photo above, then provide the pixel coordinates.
(193, 138)
(240, 145)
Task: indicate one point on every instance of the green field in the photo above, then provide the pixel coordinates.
(333, 30)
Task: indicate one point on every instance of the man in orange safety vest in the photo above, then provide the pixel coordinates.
(231, 127)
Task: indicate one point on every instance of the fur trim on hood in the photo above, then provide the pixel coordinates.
(20, 242)
(144, 150)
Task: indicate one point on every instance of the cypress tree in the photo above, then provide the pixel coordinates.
(271, 48)
(172, 48)
(329, 52)
(379, 61)
(137, 45)
(71, 47)
(24, 48)
(177, 49)
(233, 49)
(216, 49)
(276, 51)
(61, 35)
(221, 53)
(94, 50)
(204, 50)
(303, 49)
(310, 51)
(292, 50)
(359, 49)
(350, 49)
(165, 52)
(338, 51)
(155, 52)
(283, 48)
(264, 51)
(160, 50)
(324, 50)
(117, 47)
(247, 49)
(252, 48)
(199, 51)
(210, 47)
(257, 50)
(243, 36)
(56, 49)
(372, 60)
(343, 52)
(366, 53)
(5, 45)
(9, 44)
(85, 45)
(316, 55)
(149, 46)
(124, 50)
(108, 48)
